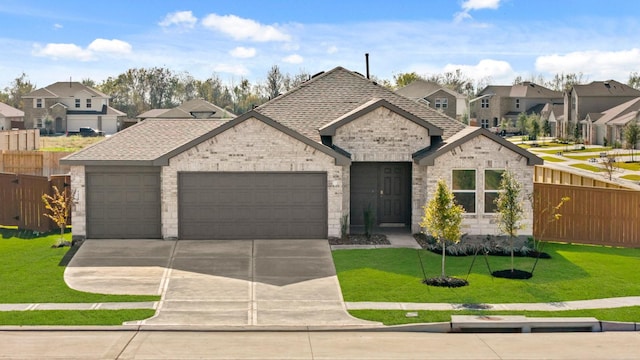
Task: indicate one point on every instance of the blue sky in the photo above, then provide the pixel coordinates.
(494, 40)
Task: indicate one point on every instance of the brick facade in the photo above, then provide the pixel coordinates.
(253, 146)
(480, 153)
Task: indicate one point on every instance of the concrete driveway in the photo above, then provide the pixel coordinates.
(238, 283)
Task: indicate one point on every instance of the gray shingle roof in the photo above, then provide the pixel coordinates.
(423, 88)
(330, 95)
(631, 106)
(144, 142)
(10, 111)
(64, 89)
(605, 88)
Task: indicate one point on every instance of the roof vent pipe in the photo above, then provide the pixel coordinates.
(366, 57)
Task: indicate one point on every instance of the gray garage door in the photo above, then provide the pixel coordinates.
(123, 203)
(252, 205)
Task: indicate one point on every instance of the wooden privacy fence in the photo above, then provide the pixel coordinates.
(593, 215)
(20, 139)
(42, 163)
(21, 200)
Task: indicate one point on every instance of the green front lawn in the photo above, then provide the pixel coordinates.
(571, 149)
(575, 272)
(397, 317)
(632, 177)
(32, 271)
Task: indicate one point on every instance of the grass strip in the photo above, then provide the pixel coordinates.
(75, 317)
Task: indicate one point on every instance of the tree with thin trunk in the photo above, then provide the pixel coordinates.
(442, 218)
(510, 208)
(59, 207)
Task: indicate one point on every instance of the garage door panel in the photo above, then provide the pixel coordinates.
(252, 205)
(123, 204)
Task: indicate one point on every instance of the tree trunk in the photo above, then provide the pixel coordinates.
(443, 255)
(512, 267)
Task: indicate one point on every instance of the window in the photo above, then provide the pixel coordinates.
(492, 180)
(484, 123)
(464, 189)
(517, 103)
(39, 103)
(484, 103)
(77, 103)
(88, 103)
(39, 124)
(442, 103)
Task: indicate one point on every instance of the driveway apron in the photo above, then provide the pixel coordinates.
(247, 283)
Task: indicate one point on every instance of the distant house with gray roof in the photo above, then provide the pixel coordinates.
(595, 97)
(191, 109)
(506, 102)
(10, 117)
(68, 106)
(445, 100)
(320, 160)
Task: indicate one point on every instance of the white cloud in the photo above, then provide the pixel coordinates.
(244, 29)
(480, 4)
(63, 51)
(293, 59)
(500, 72)
(234, 69)
(471, 5)
(332, 49)
(184, 19)
(594, 64)
(113, 46)
(243, 52)
(57, 26)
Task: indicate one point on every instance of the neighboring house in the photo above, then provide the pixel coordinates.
(307, 164)
(506, 102)
(447, 101)
(65, 107)
(10, 117)
(196, 108)
(594, 97)
(610, 123)
(554, 113)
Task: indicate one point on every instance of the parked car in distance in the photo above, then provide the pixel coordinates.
(86, 132)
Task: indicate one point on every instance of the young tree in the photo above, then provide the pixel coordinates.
(632, 135)
(523, 123)
(59, 206)
(442, 218)
(510, 208)
(404, 79)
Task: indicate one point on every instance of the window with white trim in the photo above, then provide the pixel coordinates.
(492, 178)
(39, 123)
(88, 103)
(442, 103)
(484, 123)
(484, 103)
(77, 103)
(464, 188)
(38, 103)
(517, 103)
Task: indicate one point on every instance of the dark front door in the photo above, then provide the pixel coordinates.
(392, 189)
(384, 188)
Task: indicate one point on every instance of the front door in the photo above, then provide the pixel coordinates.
(392, 189)
(384, 188)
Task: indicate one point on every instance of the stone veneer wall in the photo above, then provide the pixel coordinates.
(383, 136)
(253, 146)
(78, 210)
(479, 153)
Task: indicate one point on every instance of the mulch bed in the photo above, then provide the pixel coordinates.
(464, 248)
(447, 281)
(360, 239)
(515, 274)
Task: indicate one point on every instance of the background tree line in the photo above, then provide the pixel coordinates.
(140, 89)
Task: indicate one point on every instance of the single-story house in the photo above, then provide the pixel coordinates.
(10, 117)
(306, 164)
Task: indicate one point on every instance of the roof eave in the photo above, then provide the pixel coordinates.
(425, 157)
(80, 162)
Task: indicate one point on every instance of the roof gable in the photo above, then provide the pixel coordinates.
(619, 111)
(427, 156)
(330, 128)
(423, 88)
(605, 88)
(10, 111)
(329, 96)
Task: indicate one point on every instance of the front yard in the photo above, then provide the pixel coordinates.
(575, 272)
(32, 271)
